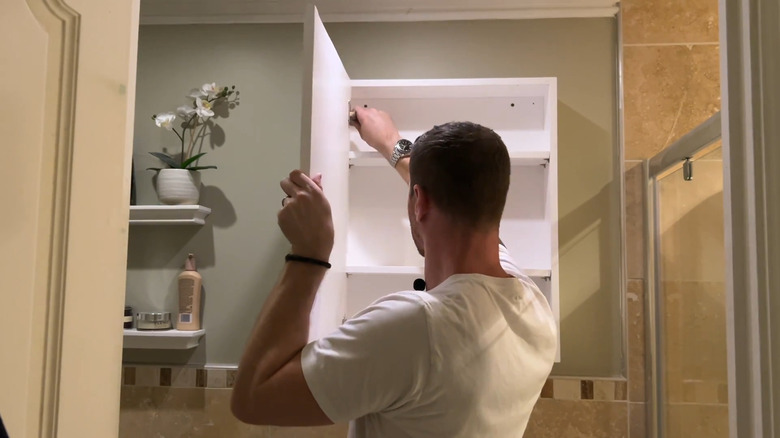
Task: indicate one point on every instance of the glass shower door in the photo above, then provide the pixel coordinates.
(690, 300)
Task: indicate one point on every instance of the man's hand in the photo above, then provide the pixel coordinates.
(376, 128)
(305, 218)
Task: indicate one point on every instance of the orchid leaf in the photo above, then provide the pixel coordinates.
(202, 167)
(156, 169)
(191, 160)
(166, 159)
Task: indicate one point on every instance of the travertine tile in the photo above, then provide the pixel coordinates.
(128, 375)
(547, 390)
(621, 390)
(701, 391)
(604, 390)
(230, 378)
(216, 378)
(147, 376)
(665, 21)
(335, 431)
(161, 412)
(637, 420)
(586, 390)
(578, 419)
(723, 393)
(669, 90)
(635, 220)
(635, 312)
(697, 421)
(567, 389)
(196, 413)
(183, 377)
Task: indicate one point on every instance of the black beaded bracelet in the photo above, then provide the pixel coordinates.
(297, 258)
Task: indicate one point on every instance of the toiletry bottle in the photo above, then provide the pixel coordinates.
(189, 296)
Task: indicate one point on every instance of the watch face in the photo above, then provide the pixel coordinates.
(405, 146)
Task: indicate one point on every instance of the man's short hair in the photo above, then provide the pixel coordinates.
(464, 168)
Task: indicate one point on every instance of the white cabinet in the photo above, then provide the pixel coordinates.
(374, 254)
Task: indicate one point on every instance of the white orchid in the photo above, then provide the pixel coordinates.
(185, 111)
(165, 120)
(204, 108)
(196, 93)
(194, 124)
(209, 88)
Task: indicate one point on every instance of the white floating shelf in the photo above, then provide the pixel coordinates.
(168, 214)
(162, 339)
(525, 158)
(418, 270)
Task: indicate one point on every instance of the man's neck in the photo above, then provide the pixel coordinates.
(451, 250)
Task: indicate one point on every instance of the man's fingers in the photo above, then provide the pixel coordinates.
(289, 187)
(318, 180)
(303, 181)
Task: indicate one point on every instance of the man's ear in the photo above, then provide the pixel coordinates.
(422, 203)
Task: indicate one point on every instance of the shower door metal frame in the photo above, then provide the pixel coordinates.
(691, 146)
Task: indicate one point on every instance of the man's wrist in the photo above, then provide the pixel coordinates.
(308, 260)
(313, 254)
(387, 149)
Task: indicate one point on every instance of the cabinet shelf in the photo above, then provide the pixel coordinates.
(525, 158)
(162, 339)
(418, 270)
(168, 214)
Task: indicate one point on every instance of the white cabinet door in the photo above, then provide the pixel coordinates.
(325, 149)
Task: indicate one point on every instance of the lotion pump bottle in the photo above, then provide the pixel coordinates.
(189, 296)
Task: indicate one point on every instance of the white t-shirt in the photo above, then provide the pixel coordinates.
(467, 359)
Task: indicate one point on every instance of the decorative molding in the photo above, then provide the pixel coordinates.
(64, 41)
(503, 14)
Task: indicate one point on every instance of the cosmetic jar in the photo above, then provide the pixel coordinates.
(128, 317)
(153, 321)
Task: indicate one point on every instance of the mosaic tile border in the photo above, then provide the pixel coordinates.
(585, 389)
(183, 377)
(178, 377)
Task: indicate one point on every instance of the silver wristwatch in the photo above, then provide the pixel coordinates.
(403, 148)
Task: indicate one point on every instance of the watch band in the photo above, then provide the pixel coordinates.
(402, 148)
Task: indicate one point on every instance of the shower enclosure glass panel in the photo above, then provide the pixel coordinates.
(690, 299)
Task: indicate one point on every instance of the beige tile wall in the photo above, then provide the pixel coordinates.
(176, 402)
(671, 84)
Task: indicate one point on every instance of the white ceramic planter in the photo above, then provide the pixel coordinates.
(178, 186)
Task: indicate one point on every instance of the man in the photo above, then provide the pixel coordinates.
(466, 358)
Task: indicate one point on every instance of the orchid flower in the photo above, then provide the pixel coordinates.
(185, 111)
(193, 116)
(196, 93)
(204, 108)
(165, 120)
(209, 89)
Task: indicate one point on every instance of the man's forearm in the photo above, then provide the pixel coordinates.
(282, 329)
(402, 166)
